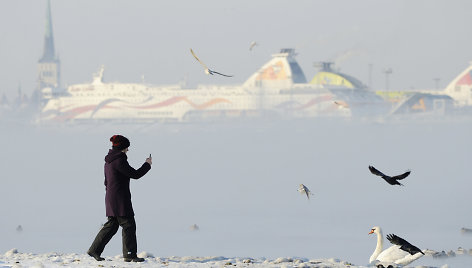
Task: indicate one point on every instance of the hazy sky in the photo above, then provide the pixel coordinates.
(420, 40)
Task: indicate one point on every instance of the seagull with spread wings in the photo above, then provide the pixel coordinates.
(252, 45)
(207, 70)
(304, 190)
(391, 180)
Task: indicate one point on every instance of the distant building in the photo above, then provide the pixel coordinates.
(27, 108)
(4, 102)
(456, 97)
(49, 74)
(460, 89)
(21, 100)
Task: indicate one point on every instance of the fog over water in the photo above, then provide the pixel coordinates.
(238, 182)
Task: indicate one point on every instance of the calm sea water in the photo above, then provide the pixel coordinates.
(238, 182)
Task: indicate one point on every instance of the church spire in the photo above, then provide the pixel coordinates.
(49, 74)
(48, 52)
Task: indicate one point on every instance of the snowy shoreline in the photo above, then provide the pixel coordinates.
(14, 258)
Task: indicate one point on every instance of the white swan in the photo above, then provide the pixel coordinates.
(401, 252)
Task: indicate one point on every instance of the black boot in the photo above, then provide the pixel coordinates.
(133, 259)
(95, 256)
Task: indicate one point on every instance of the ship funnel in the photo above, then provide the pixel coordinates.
(98, 76)
(282, 71)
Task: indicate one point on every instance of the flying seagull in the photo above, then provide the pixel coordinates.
(207, 70)
(341, 104)
(194, 227)
(404, 245)
(391, 180)
(252, 45)
(466, 230)
(304, 190)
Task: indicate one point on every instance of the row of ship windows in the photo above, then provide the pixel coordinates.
(134, 96)
(103, 95)
(183, 102)
(76, 92)
(244, 102)
(459, 88)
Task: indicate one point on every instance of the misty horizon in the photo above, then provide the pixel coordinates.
(420, 41)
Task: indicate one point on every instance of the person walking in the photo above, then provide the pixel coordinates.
(119, 208)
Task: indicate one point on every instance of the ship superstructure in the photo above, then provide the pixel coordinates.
(278, 88)
(460, 88)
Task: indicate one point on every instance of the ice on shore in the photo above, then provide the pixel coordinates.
(14, 258)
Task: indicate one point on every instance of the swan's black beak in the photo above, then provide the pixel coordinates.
(372, 231)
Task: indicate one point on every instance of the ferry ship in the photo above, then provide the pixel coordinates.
(279, 88)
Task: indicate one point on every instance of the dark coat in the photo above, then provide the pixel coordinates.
(117, 176)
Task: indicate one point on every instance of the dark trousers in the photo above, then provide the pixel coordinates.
(110, 228)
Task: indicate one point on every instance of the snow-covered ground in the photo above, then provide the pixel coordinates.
(82, 260)
(238, 182)
(13, 258)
